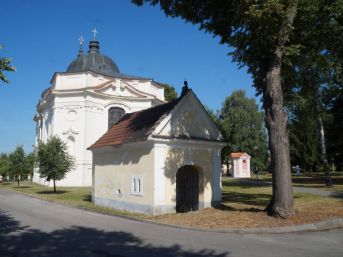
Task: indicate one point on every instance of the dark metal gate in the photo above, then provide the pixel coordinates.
(187, 189)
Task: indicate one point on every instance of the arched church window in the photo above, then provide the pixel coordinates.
(71, 145)
(114, 115)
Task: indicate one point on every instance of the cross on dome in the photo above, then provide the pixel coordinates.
(94, 32)
(81, 39)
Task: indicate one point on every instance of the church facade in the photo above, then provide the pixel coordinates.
(84, 102)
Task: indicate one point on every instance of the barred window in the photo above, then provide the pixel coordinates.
(137, 185)
(114, 115)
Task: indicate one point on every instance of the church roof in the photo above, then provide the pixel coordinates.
(94, 61)
(136, 126)
(239, 155)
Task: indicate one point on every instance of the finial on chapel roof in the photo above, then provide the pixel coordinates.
(184, 88)
(185, 83)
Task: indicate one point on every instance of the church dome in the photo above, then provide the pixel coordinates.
(93, 61)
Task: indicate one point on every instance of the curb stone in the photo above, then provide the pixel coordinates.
(319, 226)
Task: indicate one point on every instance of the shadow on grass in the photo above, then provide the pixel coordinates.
(22, 187)
(243, 184)
(307, 178)
(51, 192)
(224, 207)
(251, 199)
(87, 198)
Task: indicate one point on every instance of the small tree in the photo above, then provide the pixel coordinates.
(53, 160)
(4, 164)
(17, 163)
(29, 163)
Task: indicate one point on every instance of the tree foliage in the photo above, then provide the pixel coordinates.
(4, 164)
(334, 125)
(5, 65)
(17, 163)
(307, 77)
(30, 163)
(243, 126)
(53, 159)
(169, 92)
(266, 36)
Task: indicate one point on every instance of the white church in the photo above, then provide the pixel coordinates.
(84, 102)
(136, 151)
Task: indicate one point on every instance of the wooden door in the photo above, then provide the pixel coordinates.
(245, 167)
(187, 189)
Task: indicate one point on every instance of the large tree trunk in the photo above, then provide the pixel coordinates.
(54, 185)
(282, 203)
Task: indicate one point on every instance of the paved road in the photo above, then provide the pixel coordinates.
(32, 227)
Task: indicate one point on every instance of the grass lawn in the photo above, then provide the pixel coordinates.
(242, 206)
(311, 179)
(75, 196)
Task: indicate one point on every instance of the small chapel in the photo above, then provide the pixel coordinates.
(137, 151)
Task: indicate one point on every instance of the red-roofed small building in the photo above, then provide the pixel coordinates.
(163, 159)
(240, 165)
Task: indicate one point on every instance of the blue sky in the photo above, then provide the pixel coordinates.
(42, 37)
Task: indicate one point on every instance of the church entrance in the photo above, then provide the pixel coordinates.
(187, 189)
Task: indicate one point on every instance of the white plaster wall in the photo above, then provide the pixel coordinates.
(205, 158)
(160, 153)
(157, 164)
(113, 172)
(83, 115)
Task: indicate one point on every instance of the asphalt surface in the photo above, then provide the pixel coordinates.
(32, 227)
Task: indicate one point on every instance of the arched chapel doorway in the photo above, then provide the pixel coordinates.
(187, 189)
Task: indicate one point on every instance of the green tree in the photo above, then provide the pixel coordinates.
(334, 125)
(4, 164)
(261, 34)
(169, 92)
(17, 163)
(307, 75)
(243, 127)
(53, 159)
(217, 119)
(30, 163)
(5, 65)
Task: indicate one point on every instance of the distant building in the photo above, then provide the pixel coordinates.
(240, 165)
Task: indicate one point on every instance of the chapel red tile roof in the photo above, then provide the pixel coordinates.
(238, 154)
(136, 126)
